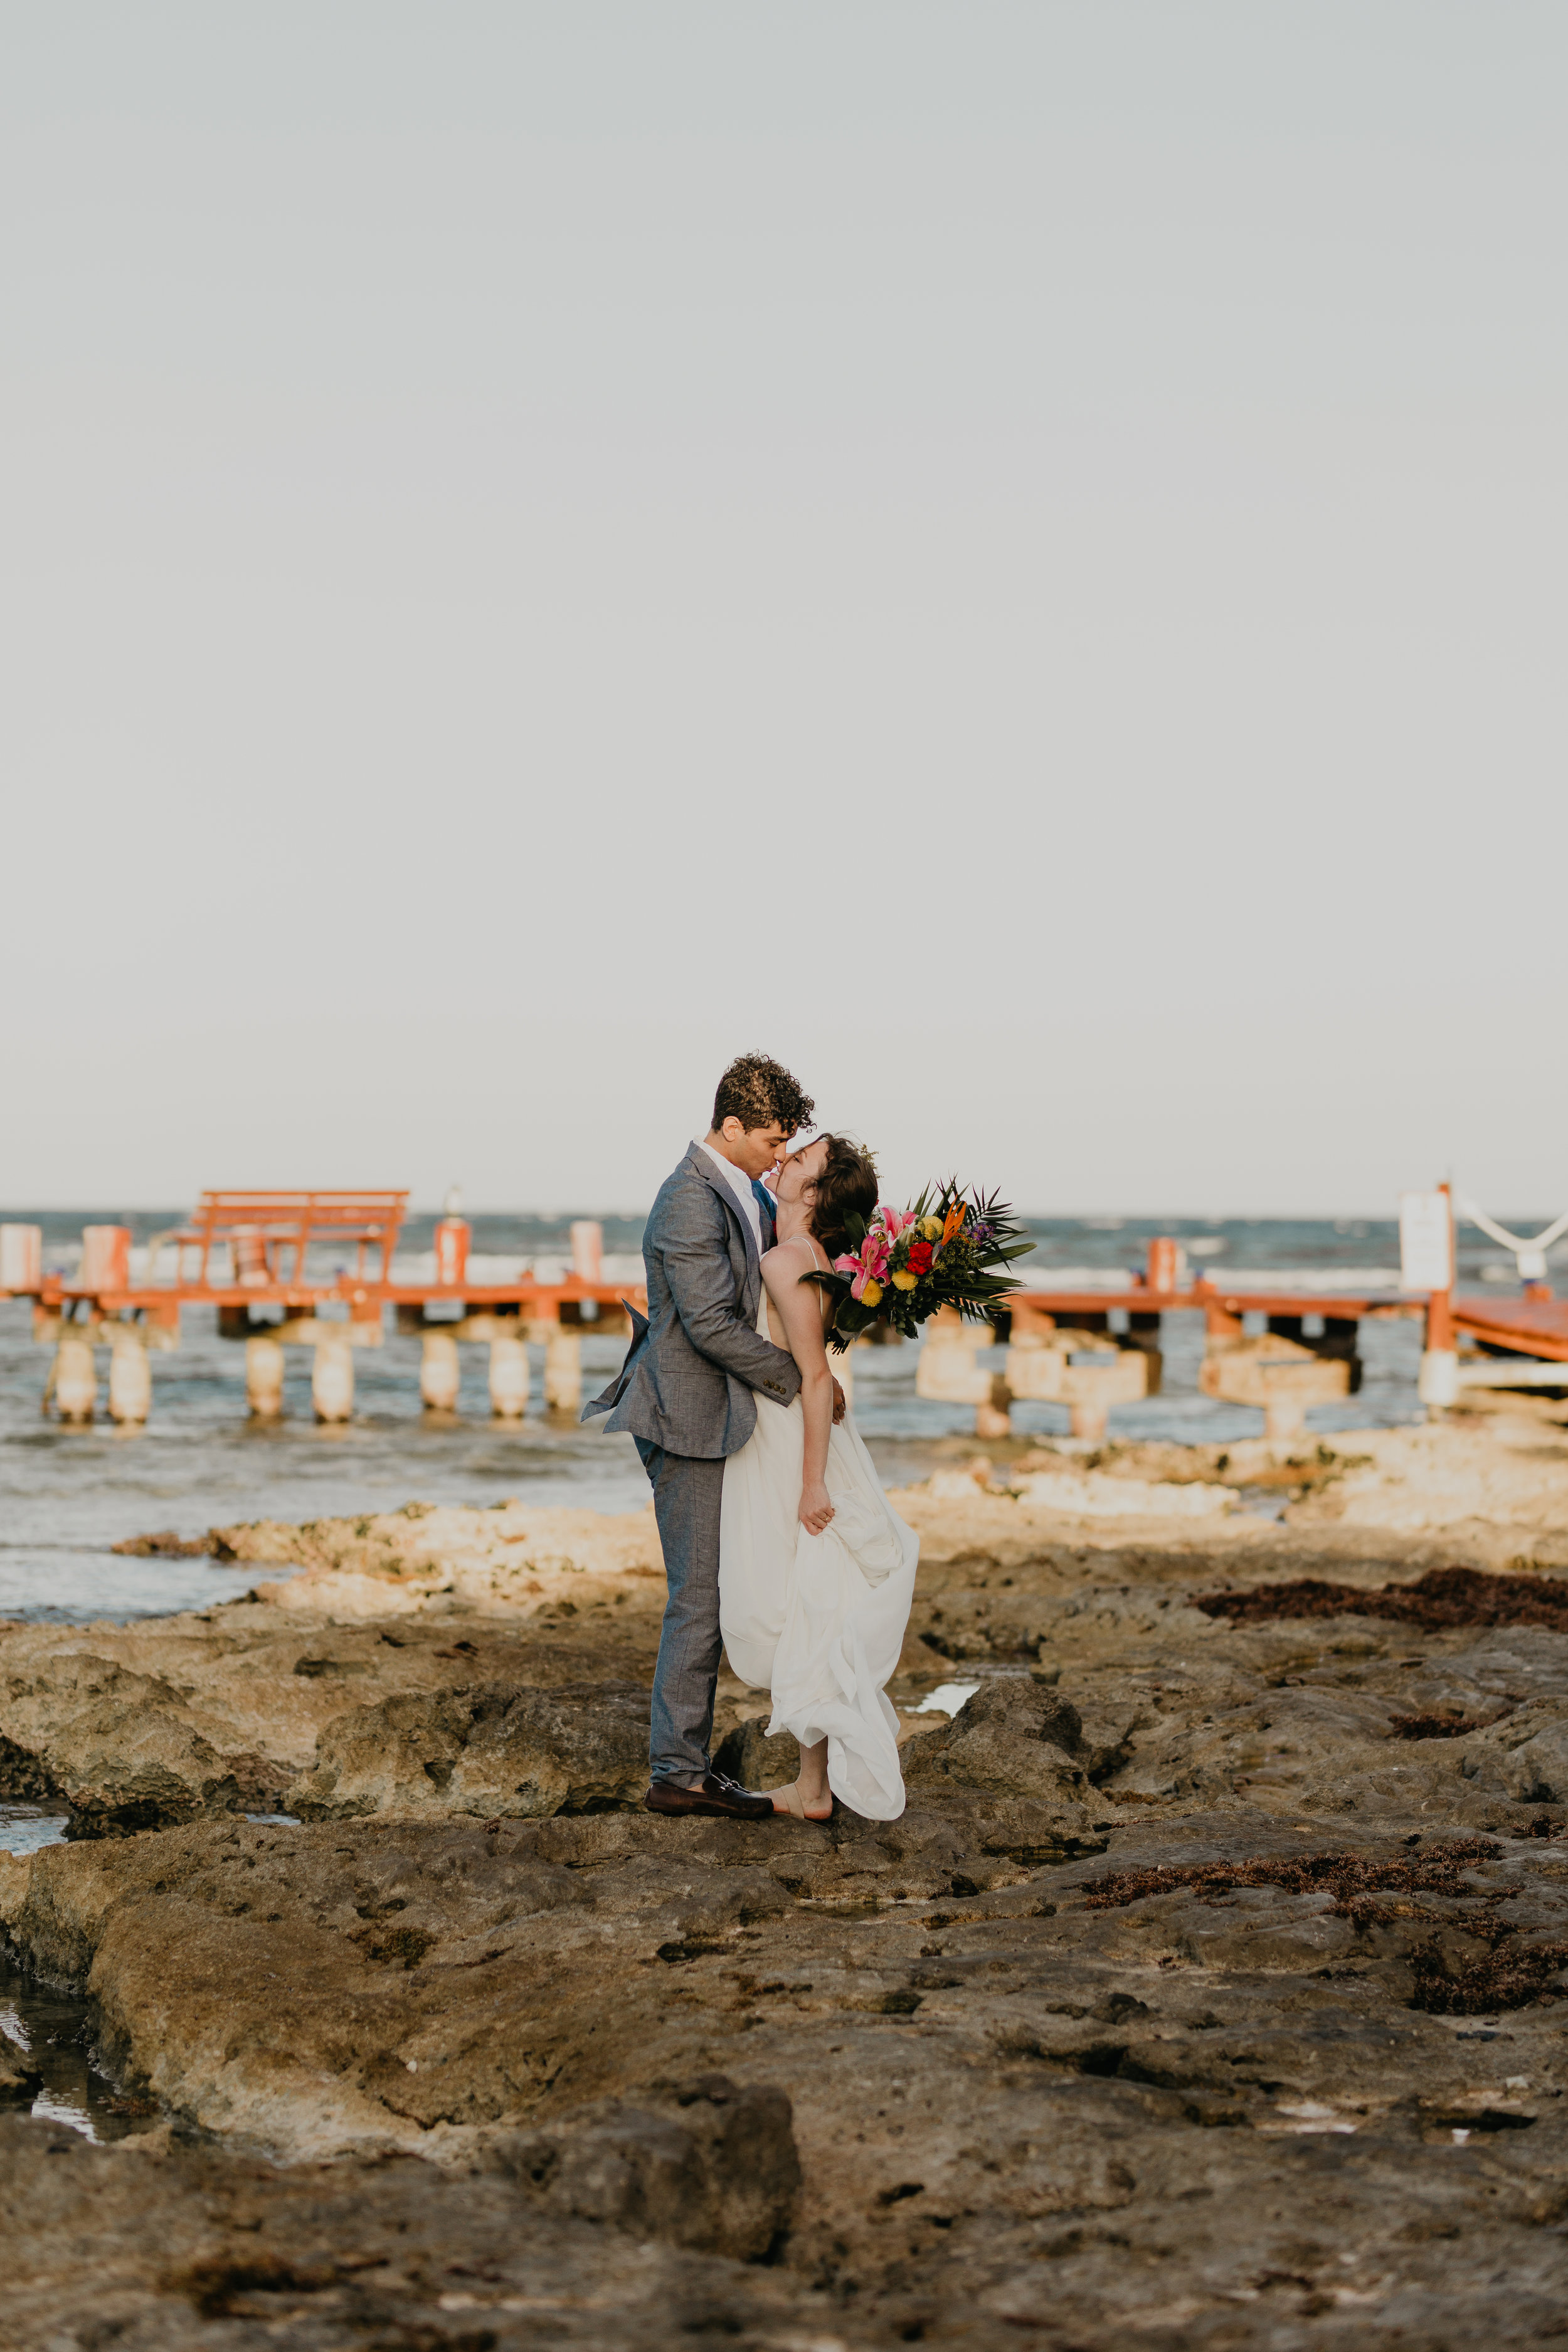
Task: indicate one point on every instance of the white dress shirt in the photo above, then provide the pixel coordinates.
(741, 1185)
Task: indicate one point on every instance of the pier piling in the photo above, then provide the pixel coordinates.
(440, 1373)
(264, 1363)
(563, 1369)
(75, 1377)
(130, 1377)
(332, 1378)
(508, 1377)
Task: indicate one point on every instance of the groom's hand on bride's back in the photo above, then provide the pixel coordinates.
(839, 1407)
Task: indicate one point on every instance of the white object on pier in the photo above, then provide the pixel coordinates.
(1509, 1372)
(21, 1257)
(1528, 1256)
(1426, 1242)
(105, 1258)
(588, 1249)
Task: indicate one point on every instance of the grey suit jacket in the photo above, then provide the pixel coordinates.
(687, 1381)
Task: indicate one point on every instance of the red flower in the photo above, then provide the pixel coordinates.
(920, 1259)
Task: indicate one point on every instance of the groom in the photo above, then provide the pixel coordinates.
(685, 1391)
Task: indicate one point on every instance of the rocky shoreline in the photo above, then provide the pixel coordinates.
(1211, 1992)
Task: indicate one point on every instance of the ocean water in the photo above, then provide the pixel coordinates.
(67, 1494)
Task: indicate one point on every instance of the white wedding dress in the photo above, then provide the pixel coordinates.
(819, 1619)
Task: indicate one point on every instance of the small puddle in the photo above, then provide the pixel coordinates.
(54, 2027)
(25, 1827)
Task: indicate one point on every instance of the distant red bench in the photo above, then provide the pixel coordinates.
(267, 1234)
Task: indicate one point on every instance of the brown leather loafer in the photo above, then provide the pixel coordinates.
(713, 1795)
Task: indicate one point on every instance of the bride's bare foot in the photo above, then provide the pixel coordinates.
(803, 1808)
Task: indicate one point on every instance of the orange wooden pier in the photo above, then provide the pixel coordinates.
(1063, 1348)
(1088, 1347)
(270, 1303)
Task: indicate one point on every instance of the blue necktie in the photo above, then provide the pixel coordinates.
(769, 1215)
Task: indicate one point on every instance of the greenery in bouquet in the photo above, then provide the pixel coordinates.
(943, 1251)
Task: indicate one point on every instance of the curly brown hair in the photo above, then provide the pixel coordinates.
(757, 1090)
(847, 1187)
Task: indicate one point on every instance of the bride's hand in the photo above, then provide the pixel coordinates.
(816, 1510)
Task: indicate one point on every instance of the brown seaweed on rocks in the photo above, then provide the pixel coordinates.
(1350, 1878)
(1444, 1596)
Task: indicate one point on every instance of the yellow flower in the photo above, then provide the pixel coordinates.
(931, 1228)
(872, 1295)
(905, 1281)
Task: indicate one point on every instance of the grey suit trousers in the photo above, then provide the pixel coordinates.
(688, 1493)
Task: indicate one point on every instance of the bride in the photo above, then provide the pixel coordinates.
(816, 1570)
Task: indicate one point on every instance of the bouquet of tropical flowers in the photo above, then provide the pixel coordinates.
(939, 1252)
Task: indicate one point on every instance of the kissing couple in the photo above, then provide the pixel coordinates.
(779, 1543)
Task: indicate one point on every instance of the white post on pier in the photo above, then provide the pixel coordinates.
(1426, 1263)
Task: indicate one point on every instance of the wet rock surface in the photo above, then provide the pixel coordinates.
(1213, 1989)
(222, 1712)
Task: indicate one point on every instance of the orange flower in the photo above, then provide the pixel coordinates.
(953, 1222)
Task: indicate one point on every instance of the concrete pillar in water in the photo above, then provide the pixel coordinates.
(76, 1376)
(129, 1378)
(508, 1378)
(332, 1381)
(1089, 1389)
(264, 1377)
(564, 1370)
(947, 1370)
(440, 1374)
(993, 1415)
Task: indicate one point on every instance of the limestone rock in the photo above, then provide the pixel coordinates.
(156, 2246)
(160, 1721)
(16, 1870)
(748, 1755)
(1012, 1738)
(714, 2167)
(496, 1751)
(19, 2077)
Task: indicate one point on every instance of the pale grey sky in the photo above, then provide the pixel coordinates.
(1012, 554)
